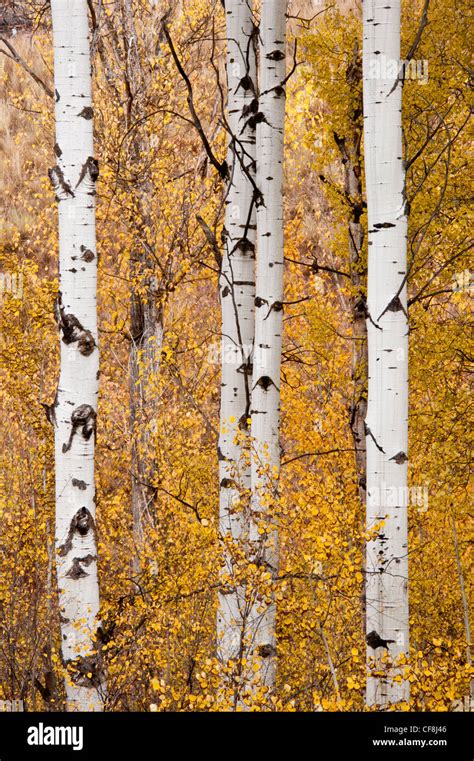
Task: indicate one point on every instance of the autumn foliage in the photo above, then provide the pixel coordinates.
(159, 616)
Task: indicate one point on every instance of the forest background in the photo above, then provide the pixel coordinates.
(159, 618)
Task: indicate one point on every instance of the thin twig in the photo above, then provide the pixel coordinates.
(18, 59)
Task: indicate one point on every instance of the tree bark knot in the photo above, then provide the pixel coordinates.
(76, 571)
(374, 640)
(246, 83)
(61, 187)
(265, 382)
(399, 458)
(87, 254)
(245, 246)
(253, 120)
(79, 484)
(81, 524)
(87, 112)
(276, 55)
(73, 330)
(250, 110)
(84, 418)
(89, 174)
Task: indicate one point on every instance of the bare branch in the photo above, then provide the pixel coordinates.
(221, 167)
(18, 59)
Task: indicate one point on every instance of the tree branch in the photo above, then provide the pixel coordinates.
(221, 167)
(18, 59)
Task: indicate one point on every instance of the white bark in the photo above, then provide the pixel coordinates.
(237, 292)
(387, 414)
(74, 178)
(268, 324)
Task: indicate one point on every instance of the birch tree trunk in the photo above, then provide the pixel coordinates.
(146, 334)
(147, 299)
(387, 414)
(350, 148)
(74, 413)
(268, 330)
(237, 293)
(351, 155)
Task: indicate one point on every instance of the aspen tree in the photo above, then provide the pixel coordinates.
(147, 297)
(74, 412)
(268, 326)
(387, 325)
(237, 293)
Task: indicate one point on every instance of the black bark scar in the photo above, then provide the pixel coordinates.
(83, 417)
(87, 112)
(90, 169)
(76, 571)
(73, 330)
(368, 432)
(265, 382)
(61, 188)
(81, 524)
